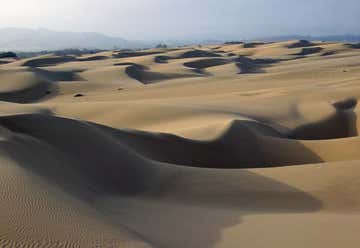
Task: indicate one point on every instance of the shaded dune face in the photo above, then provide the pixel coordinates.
(300, 44)
(309, 50)
(52, 130)
(133, 54)
(235, 145)
(148, 77)
(241, 144)
(341, 123)
(205, 63)
(48, 61)
(161, 59)
(113, 165)
(199, 54)
(92, 58)
(250, 144)
(113, 161)
(23, 86)
(140, 67)
(194, 53)
(354, 46)
(54, 76)
(253, 44)
(248, 65)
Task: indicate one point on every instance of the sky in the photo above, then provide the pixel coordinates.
(186, 19)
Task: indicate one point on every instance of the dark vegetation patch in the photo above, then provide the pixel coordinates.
(8, 55)
(63, 52)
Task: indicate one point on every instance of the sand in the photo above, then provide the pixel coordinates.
(237, 145)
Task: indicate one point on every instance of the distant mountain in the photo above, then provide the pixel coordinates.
(22, 39)
(35, 40)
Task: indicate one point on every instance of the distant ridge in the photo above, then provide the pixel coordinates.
(23, 39)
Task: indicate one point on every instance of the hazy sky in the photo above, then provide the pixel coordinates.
(181, 19)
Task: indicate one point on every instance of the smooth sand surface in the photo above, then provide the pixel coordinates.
(240, 145)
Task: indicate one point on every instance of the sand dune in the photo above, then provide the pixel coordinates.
(22, 85)
(250, 145)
